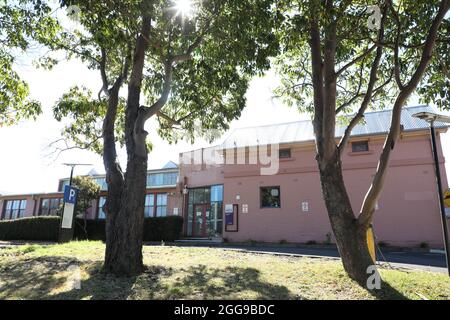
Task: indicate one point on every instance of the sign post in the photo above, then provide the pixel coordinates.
(67, 220)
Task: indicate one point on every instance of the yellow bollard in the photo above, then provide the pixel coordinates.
(371, 244)
(447, 198)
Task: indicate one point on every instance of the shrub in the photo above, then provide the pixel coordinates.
(383, 244)
(163, 228)
(46, 228)
(155, 229)
(95, 230)
(43, 228)
(424, 245)
(328, 238)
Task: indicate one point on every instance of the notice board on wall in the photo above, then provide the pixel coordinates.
(231, 217)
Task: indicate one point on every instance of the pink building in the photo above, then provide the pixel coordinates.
(285, 203)
(262, 184)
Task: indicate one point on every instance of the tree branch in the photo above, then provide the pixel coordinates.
(358, 58)
(372, 196)
(396, 46)
(368, 96)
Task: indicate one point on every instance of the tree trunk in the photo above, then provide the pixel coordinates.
(125, 228)
(124, 249)
(114, 178)
(351, 237)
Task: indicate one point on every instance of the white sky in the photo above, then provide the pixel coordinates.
(24, 168)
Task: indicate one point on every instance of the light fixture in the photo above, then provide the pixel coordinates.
(73, 165)
(431, 117)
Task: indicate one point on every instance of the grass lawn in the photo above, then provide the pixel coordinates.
(42, 272)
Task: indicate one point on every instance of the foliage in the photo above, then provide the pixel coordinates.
(23, 23)
(207, 91)
(163, 228)
(89, 191)
(155, 229)
(46, 228)
(43, 228)
(93, 230)
(354, 39)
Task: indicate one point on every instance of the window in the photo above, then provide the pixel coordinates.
(217, 193)
(64, 183)
(102, 183)
(149, 205)
(270, 197)
(49, 207)
(101, 212)
(14, 209)
(284, 153)
(360, 146)
(155, 205)
(161, 205)
(162, 179)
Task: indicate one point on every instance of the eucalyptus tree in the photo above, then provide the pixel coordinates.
(23, 25)
(342, 58)
(190, 60)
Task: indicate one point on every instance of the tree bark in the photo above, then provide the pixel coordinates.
(123, 255)
(351, 232)
(114, 179)
(350, 236)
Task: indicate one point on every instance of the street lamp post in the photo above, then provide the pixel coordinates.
(431, 118)
(73, 165)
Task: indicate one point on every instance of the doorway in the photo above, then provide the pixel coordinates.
(201, 220)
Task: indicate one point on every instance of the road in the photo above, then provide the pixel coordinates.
(434, 262)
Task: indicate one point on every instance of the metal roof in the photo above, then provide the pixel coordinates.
(377, 122)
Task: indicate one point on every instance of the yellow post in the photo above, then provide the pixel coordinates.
(447, 198)
(371, 244)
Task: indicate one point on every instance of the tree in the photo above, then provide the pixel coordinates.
(193, 72)
(23, 23)
(89, 191)
(333, 65)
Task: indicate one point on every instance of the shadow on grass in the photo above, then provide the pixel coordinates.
(47, 278)
(32, 278)
(387, 292)
(51, 278)
(228, 283)
(99, 286)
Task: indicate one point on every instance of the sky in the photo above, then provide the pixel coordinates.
(25, 166)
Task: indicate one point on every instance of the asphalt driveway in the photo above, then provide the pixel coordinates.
(403, 259)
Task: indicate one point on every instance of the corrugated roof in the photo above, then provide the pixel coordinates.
(376, 122)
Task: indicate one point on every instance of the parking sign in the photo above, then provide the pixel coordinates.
(70, 194)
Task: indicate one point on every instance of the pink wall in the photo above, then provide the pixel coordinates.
(408, 211)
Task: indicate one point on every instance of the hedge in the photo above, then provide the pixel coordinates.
(163, 228)
(155, 229)
(45, 228)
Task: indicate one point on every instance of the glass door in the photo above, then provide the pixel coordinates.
(201, 220)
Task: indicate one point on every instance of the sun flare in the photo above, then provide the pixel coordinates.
(185, 8)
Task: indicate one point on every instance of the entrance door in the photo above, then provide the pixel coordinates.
(201, 220)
